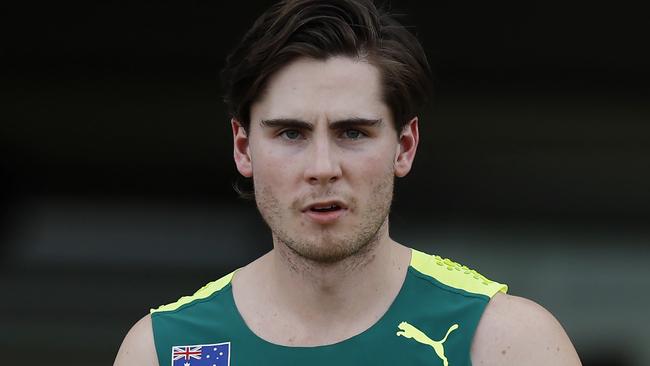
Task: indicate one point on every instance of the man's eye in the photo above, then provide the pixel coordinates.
(353, 134)
(291, 134)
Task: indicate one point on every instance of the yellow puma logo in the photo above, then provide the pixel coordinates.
(409, 331)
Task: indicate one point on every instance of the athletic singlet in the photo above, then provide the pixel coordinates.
(431, 322)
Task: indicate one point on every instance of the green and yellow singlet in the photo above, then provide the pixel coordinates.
(431, 322)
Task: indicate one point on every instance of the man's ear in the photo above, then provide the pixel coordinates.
(408, 144)
(241, 150)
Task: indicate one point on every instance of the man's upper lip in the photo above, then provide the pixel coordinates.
(325, 204)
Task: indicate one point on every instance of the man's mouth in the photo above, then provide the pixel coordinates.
(325, 212)
(327, 208)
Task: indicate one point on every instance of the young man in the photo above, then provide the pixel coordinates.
(323, 95)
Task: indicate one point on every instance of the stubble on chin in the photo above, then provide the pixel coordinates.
(329, 245)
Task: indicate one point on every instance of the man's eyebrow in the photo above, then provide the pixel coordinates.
(287, 122)
(338, 124)
(355, 122)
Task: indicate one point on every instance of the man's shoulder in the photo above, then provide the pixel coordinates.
(203, 293)
(138, 346)
(514, 331)
(454, 276)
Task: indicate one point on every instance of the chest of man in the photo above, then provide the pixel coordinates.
(430, 322)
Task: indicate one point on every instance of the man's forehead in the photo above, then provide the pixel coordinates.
(316, 91)
(329, 71)
(324, 78)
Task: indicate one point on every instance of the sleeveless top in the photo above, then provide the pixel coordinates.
(431, 322)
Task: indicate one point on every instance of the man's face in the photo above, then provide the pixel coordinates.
(323, 153)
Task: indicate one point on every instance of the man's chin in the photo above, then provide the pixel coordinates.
(326, 253)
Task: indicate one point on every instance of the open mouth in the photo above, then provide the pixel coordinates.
(326, 212)
(328, 208)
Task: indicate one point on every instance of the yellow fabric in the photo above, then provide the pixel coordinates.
(202, 293)
(446, 271)
(455, 275)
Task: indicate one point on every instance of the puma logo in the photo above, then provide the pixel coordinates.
(409, 331)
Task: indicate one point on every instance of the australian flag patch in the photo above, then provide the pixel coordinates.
(202, 355)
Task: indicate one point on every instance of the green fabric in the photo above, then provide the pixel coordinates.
(423, 302)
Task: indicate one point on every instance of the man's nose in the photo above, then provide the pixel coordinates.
(322, 164)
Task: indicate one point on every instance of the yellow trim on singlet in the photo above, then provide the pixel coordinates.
(202, 293)
(455, 275)
(445, 271)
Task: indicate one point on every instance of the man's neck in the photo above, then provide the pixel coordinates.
(345, 297)
(289, 267)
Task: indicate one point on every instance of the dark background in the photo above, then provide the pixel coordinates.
(116, 168)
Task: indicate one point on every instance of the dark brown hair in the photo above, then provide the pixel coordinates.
(321, 29)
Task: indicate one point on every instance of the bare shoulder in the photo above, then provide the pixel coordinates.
(138, 346)
(517, 331)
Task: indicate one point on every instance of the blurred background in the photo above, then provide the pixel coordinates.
(116, 168)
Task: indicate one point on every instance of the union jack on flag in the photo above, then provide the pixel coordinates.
(217, 354)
